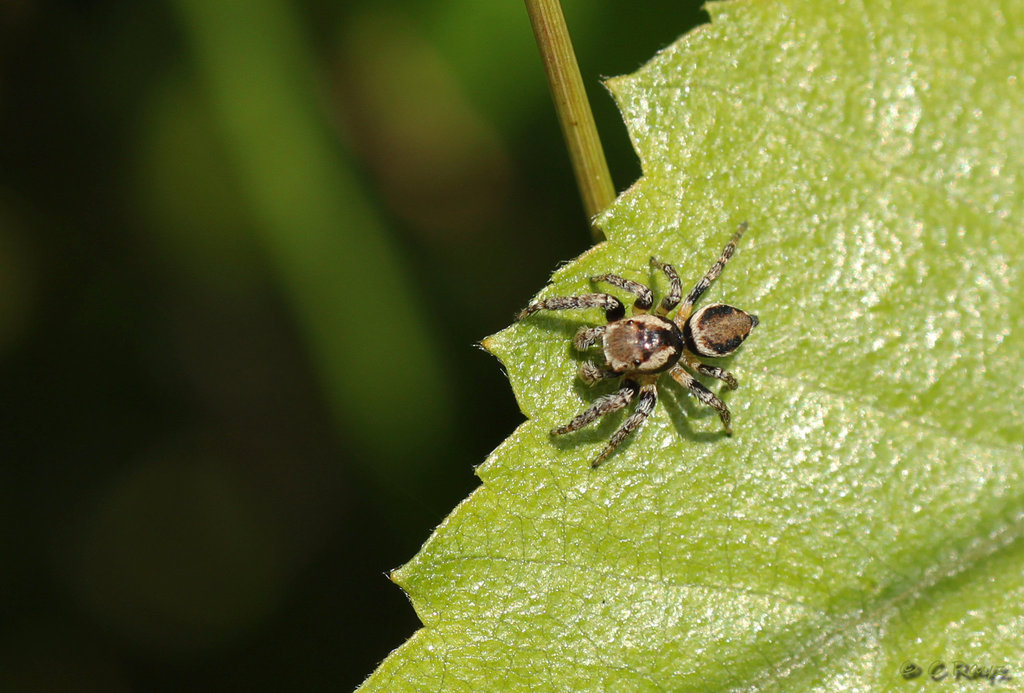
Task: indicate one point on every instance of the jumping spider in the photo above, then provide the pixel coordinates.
(642, 347)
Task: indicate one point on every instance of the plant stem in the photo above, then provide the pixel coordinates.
(573, 109)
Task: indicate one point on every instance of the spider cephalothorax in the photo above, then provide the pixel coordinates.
(641, 347)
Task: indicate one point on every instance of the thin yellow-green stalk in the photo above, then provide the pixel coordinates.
(573, 109)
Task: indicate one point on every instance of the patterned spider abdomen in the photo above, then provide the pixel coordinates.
(642, 344)
(717, 330)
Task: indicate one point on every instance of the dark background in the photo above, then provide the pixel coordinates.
(245, 251)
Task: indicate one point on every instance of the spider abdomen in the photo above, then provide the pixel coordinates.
(717, 330)
(642, 344)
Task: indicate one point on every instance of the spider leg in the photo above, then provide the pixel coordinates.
(712, 371)
(590, 373)
(587, 337)
(644, 297)
(710, 277)
(671, 300)
(613, 308)
(703, 395)
(600, 407)
(645, 402)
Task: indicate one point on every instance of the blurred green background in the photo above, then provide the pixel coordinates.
(245, 251)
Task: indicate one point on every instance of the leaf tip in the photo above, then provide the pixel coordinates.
(487, 344)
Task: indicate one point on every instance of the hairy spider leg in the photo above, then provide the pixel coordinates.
(710, 277)
(692, 363)
(644, 297)
(703, 395)
(613, 308)
(600, 407)
(645, 402)
(671, 300)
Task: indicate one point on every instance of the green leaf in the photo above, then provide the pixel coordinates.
(869, 510)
